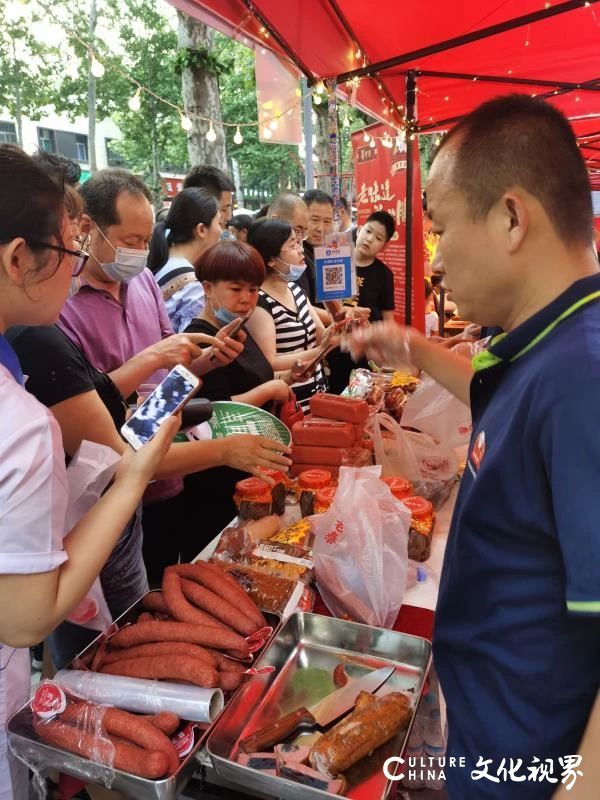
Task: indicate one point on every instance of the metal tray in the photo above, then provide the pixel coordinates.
(317, 643)
(26, 744)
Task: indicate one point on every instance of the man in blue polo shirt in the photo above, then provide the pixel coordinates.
(517, 633)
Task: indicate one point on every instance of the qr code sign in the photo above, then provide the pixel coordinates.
(333, 278)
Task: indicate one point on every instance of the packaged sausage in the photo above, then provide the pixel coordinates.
(299, 533)
(324, 432)
(278, 490)
(253, 498)
(421, 527)
(399, 487)
(270, 592)
(310, 481)
(346, 409)
(274, 558)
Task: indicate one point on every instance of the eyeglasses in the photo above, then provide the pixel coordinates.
(301, 234)
(81, 254)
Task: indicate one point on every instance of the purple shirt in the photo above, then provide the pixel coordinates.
(109, 332)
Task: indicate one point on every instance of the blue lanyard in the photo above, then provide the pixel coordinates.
(8, 359)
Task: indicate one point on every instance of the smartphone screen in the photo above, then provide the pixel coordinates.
(177, 387)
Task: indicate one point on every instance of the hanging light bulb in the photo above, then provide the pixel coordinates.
(211, 136)
(346, 121)
(366, 137)
(317, 99)
(238, 138)
(358, 53)
(412, 137)
(320, 87)
(96, 68)
(186, 122)
(274, 124)
(267, 134)
(372, 142)
(135, 102)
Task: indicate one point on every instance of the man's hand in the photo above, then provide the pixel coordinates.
(386, 343)
(247, 452)
(180, 348)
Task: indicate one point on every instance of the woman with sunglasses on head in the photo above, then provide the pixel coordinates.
(45, 571)
(285, 325)
(191, 226)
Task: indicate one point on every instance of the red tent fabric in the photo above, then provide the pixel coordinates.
(555, 42)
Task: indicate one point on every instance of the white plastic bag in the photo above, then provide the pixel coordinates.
(431, 467)
(436, 411)
(361, 549)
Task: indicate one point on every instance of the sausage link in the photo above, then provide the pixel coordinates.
(163, 649)
(229, 681)
(165, 721)
(217, 606)
(184, 668)
(155, 602)
(180, 607)
(122, 755)
(144, 632)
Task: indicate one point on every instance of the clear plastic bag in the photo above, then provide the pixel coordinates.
(431, 467)
(360, 551)
(434, 410)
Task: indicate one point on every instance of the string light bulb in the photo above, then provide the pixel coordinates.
(366, 137)
(320, 87)
(358, 53)
(96, 68)
(186, 122)
(267, 133)
(211, 136)
(274, 124)
(372, 142)
(346, 121)
(317, 99)
(238, 138)
(135, 102)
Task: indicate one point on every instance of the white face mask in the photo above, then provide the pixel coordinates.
(128, 262)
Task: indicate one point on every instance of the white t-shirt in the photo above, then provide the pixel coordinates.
(432, 323)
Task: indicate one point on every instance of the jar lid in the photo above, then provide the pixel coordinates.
(325, 496)
(418, 506)
(399, 487)
(253, 489)
(314, 478)
(275, 474)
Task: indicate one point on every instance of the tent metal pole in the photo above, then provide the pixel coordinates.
(464, 76)
(467, 38)
(411, 143)
(309, 167)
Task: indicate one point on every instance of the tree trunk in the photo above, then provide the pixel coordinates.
(156, 183)
(235, 174)
(18, 103)
(321, 130)
(200, 91)
(93, 19)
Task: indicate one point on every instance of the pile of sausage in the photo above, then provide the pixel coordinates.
(202, 629)
(115, 738)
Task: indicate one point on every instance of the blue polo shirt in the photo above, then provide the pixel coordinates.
(517, 632)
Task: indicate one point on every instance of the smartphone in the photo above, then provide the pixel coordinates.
(236, 326)
(167, 399)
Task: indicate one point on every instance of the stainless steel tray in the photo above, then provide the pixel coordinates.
(305, 652)
(26, 744)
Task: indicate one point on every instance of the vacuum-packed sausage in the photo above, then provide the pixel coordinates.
(345, 409)
(324, 432)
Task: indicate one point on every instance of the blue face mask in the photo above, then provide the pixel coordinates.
(224, 315)
(128, 262)
(295, 273)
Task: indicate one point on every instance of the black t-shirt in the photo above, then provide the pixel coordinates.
(249, 370)
(375, 288)
(307, 280)
(58, 370)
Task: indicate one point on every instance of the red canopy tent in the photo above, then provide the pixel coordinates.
(421, 64)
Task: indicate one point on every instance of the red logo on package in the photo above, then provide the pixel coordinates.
(49, 700)
(86, 611)
(183, 742)
(478, 451)
(336, 533)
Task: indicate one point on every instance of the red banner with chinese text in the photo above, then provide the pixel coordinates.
(380, 180)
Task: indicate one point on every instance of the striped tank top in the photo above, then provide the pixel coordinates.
(295, 332)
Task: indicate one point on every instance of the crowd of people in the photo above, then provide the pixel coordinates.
(98, 301)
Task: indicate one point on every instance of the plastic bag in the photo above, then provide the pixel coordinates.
(360, 551)
(436, 411)
(431, 467)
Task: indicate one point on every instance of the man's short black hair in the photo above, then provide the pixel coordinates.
(101, 190)
(212, 179)
(241, 222)
(317, 196)
(385, 219)
(518, 140)
(344, 205)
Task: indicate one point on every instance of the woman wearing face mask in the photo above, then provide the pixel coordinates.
(189, 229)
(285, 325)
(231, 274)
(44, 573)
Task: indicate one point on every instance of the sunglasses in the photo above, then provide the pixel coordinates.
(81, 254)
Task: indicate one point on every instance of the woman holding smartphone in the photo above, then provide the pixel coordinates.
(45, 571)
(285, 325)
